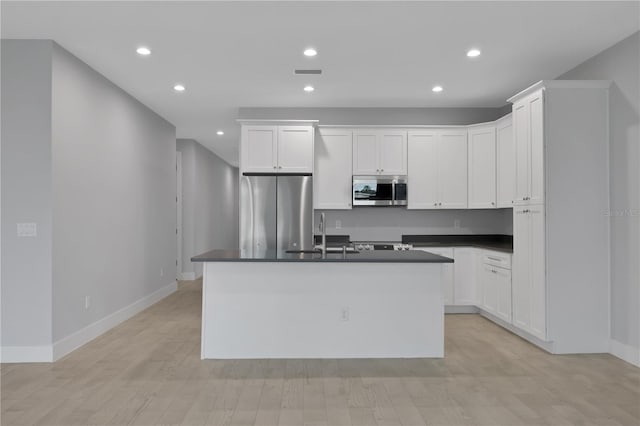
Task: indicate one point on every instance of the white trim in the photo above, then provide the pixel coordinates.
(547, 346)
(72, 342)
(187, 276)
(461, 309)
(625, 352)
(258, 121)
(12, 354)
(561, 84)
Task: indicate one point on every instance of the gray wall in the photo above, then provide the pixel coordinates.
(621, 64)
(114, 187)
(209, 203)
(26, 192)
(377, 116)
(388, 224)
(95, 169)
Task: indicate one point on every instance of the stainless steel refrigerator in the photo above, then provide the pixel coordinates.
(276, 212)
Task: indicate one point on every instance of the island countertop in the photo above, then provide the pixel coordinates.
(378, 256)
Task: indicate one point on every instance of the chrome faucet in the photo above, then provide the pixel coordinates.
(323, 229)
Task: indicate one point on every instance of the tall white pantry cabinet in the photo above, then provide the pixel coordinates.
(560, 282)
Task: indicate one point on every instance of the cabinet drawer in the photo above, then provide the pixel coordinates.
(501, 260)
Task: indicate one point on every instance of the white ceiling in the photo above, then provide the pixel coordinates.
(373, 54)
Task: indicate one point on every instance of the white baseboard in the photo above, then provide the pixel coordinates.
(72, 342)
(625, 352)
(547, 346)
(187, 276)
(13, 354)
(461, 309)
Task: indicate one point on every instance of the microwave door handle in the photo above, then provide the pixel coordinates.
(393, 192)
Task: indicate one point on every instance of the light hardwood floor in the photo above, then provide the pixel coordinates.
(148, 371)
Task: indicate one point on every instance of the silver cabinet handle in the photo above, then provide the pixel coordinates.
(279, 167)
(382, 170)
(493, 204)
(435, 204)
(439, 204)
(275, 167)
(494, 258)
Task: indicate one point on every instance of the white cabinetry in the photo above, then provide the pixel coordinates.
(495, 278)
(437, 169)
(529, 144)
(332, 169)
(505, 163)
(276, 149)
(379, 152)
(529, 287)
(447, 272)
(482, 167)
(464, 277)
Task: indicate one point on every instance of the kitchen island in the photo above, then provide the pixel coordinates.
(272, 304)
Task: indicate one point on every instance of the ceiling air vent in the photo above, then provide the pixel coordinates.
(307, 72)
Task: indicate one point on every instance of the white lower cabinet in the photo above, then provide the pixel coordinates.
(447, 271)
(464, 277)
(529, 289)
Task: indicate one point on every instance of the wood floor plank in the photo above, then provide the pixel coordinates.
(148, 371)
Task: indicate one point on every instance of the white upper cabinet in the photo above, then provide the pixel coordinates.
(332, 169)
(276, 149)
(506, 163)
(392, 152)
(452, 175)
(295, 149)
(528, 132)
(423, 190)
(482, 167)
(379, 152)
(259, 150)
(437, 169)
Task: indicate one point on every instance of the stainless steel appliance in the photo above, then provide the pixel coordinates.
(370, 246)
(276, 212)
(379, 190)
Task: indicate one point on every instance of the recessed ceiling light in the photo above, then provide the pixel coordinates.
(144, 51)
(309, 88)
(473, 53)
(219, 133)
(310, 52)
(437, 89)
(179, 88)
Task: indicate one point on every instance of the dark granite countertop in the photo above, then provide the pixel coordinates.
(503, 243)
(380, 256)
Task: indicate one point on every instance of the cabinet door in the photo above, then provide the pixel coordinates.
(465, 277)
(536, 150)
(521, 143)
(506, 164)
(295, 149)
(332, 179)
(259, 149)
(482, 167)
(503, 287)
(521, 272)
(447, 273)
(489, 289)
(422, 170)
(392, 151)
(537, 292)
(452, 170)
(365, 152)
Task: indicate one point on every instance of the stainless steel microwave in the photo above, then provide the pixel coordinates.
(379, 190)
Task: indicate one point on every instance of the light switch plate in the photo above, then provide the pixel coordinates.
(27, 230)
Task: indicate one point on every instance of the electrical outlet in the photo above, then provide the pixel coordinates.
(344, 314)
(338, 224)
(456, 223)
(87, 302)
